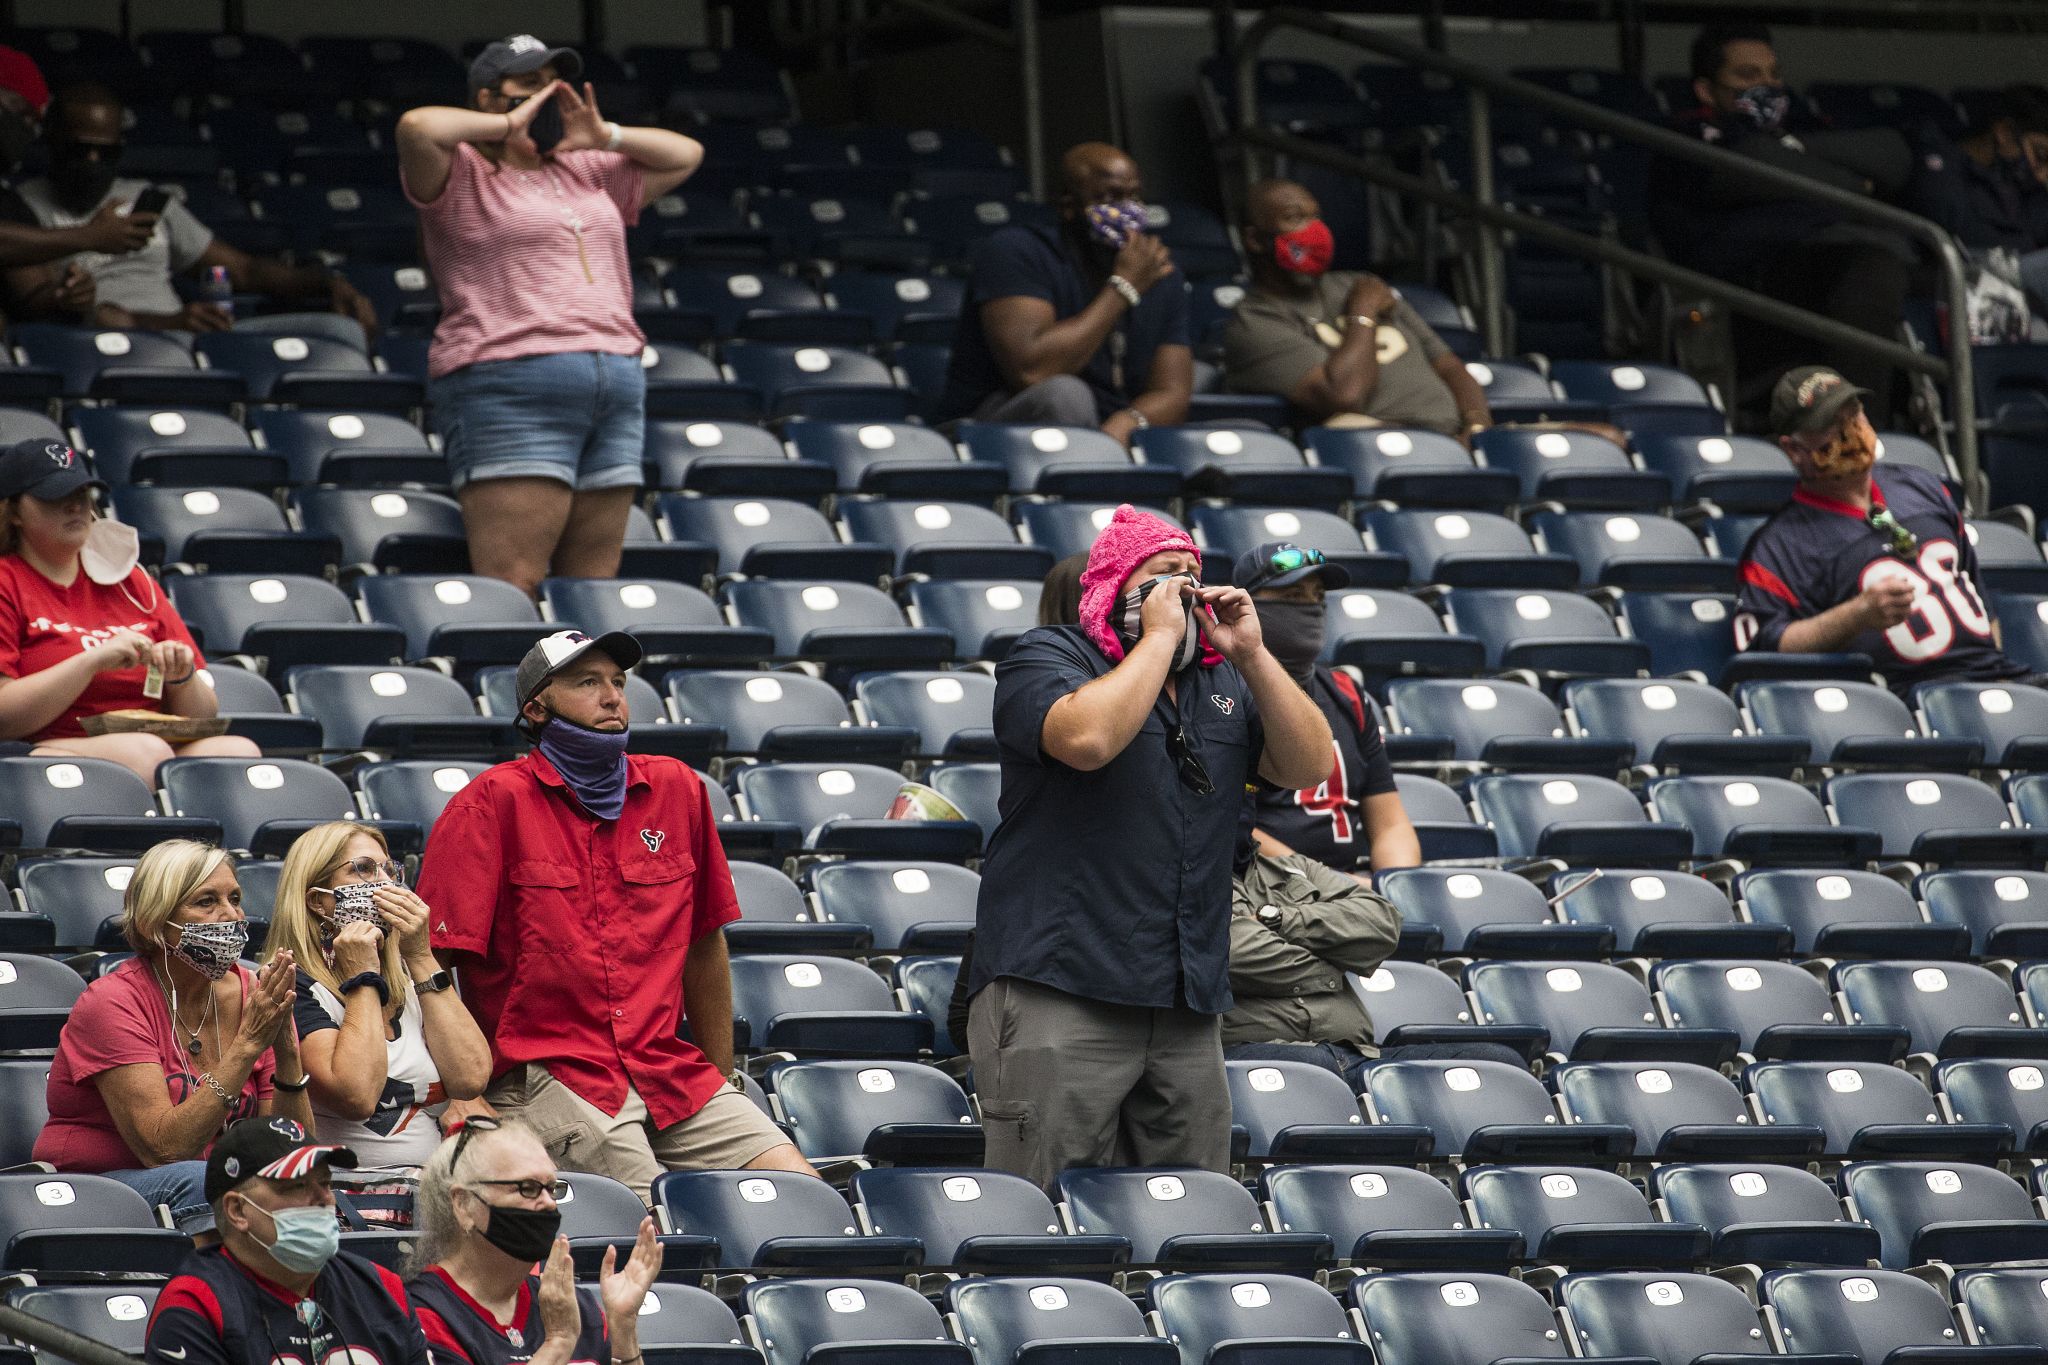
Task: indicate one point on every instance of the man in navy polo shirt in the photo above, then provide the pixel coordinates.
(1866, 557)
(1101, 956)
(1083, 324)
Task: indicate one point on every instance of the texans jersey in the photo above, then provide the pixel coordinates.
(459, 1328)
(1327, 822)
(1816, 553)
(216, 1311)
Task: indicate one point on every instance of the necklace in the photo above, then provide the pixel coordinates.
(192, 1047)
(571, 219)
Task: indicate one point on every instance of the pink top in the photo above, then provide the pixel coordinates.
(122, 1019)
(532, 262)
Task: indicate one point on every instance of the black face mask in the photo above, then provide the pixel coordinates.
(80, 180)
(17, 134)
(546, 128)
(1293, 633)
(523, 1234)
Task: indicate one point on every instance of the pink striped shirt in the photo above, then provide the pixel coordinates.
(531, 262)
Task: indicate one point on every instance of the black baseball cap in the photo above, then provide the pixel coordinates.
(522, 52)
(44, 469)
(274, 1148)
(1810, 399)
(553, 653)
(1278, 564)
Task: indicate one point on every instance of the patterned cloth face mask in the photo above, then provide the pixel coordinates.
(352, 905)
(1115, 224)
(1843, 453)
(210, 948)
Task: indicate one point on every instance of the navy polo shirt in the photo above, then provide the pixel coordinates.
(1114, 885)
(1039, 262)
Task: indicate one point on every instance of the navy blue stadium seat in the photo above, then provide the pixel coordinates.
(2007, 721)
(1763, 1212)
(2002, 1306)
(1069, 462)
(287, 619)
(1735, 473)
(1870, 1316)
(1228, 532)
(1183, 1216)
(1548, 631)
(842, 808)
(801, 1322)
(1045, 1318)
(1665, 914)
(1452, 1318)
(1253, 466)
(408, 711)
(262, 804)
(2006, 912)
(170, 445)
(1936, 818)
(1592, 1012)
(1642, 398)
(1776, 1010)
(893, 459)
(1411, 467)
(415, 790)
(469, 618)
(226, 530)
(351, 448)
(61, 1224)
(894, 1112)
(1238, 1318)
(912, 907)
(1486, 1111)
(127, 367)
(314, 371)
(826, 382)
(1867, 1109)
(1068, 528)
(984, 1220)
(1675, 1109)
(1385, 633)
(1572, 467)
(1580, 1217)
(1633, 551)
(781, 715)
(1298, 1111)
(984, 618)
(943, 539)
(1848, 911)
(86, 803)
(904, 307)
(1466, 549)
(1384, 1216)
(1949, 1009)
(1499, 722)
(670, 620)
(1758, 818)
(1669, 1318)
(817, 1005)
(1578, 818)
(403, 531)
(1677, 725)
(1956, 1213)
(1485, 912)
(1847, 722)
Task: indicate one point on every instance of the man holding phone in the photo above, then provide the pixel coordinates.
(135, 289)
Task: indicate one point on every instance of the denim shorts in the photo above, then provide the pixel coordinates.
(578, 418)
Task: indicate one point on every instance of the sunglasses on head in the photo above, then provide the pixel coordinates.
(1288, 560)
(525, 1189)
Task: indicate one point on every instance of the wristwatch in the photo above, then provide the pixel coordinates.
(439, 981)
(1268, 915)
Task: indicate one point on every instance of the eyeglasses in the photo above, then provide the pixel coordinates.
(1193, 775)
(1903, 541)
(529, 1189)
(367, 868)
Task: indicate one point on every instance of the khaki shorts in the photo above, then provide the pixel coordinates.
(726, 1134)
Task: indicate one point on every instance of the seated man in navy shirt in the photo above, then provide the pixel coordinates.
(1083, 324)
(1868, 558)
(1101, 954)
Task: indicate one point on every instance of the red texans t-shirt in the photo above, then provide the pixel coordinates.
(42, 624)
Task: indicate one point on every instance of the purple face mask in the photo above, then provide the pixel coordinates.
(1114, 224)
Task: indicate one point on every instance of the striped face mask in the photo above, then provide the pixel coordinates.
(1131, 617)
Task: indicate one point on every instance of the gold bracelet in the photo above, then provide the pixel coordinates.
(217, 1088)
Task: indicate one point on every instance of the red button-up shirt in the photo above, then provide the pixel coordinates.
(572, 931)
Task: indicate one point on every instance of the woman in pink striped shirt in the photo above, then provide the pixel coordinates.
(534, 374)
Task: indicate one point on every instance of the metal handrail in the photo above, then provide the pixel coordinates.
(1483, 83)
(59, 1340)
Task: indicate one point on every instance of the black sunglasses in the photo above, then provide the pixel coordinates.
(1193, 775)
(481, 1123)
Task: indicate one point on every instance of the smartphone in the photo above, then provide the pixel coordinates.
(151, 201)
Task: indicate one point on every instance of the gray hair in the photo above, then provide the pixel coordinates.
(433, 1208)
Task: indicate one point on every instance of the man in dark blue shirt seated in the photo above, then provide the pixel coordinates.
(1990, 188)
(1101, 955)
(1083, 324)
(1869, 558)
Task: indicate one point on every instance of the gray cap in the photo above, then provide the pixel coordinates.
(521, 52)
(553, 653)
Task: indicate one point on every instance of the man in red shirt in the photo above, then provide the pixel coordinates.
(580, 891)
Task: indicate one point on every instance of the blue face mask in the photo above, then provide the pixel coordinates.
(592, 762)
(307, 1237)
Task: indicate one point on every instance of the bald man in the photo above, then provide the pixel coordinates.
(1081, 324)
(1343, 348)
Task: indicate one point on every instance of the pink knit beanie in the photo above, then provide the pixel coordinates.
(1131, 538)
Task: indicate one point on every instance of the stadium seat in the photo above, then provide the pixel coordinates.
(77, 895)
(943, 539)
(1572, 467)
(1299, 1111)
(1959, 1214)
(600, 1214)
(1870, 1316)
(1676, 725)
(2023, 628)
(1676, 1110)
(2007, 722)
(1068, 528)
(775, 917)
(414, 790)
(767, 536)
(1226, 1318)
(1411, 1002)
(1466, 549)
(469, 618)
(1485, 912)
(821, 1006)
(727, 298)
(975, 788)
(982, 1220)
(1243, 465)
(1579, 1217)
(894, 460)
(1452, 1318)
(1642, 398)
(783, 715)
(1672, 1319)
(1228, 532)
(1853, 723)
(1411, 468)
(1575, 817)
(180, 446)
(1507, 724)
(776, 1218)
(1554, 632)
(115, 1315)
(680, 1324)
(1633, 551)
(1665, 914)
(830, 383)
(813, 1321)
(283, 619)
(225, 530)
(910, 907)
(262, 804)
(1486, 1111)
(1767, 819)
(1860, 913)
(1077, 1322)
(899, 1113)
(408, 712)
(36, 996)
(2005, 912)
(953, 712)
(88, 803)
(2002, 1307)
(717, 457)
(1936, 818)
(2008, 558)
(1184, 1216)
(1694, 633)
(64, 1224)
(1950, 1009)
(670, 620)
(1868, 1109)
(1776, 1010)
(1736, 473)
(1906, 449)
(1385, 634)
(903, 306)
(408, 532)
(822, 220)
(1067, 462)
(1385, 1216)
(1592, 1012)
(126, 367)
(850, 624)
(311, 371)
(984, 618)
(1763, 1212)
(354, 449)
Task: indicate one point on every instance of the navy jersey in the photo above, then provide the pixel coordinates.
(1327, 822)
(461, 1329)
(1816, 553)
(216, 1311)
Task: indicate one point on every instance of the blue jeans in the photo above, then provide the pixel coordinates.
(180, 1184)
(1352, 1065)
(579, 418)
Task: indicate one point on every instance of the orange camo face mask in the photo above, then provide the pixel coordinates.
(1850, 451)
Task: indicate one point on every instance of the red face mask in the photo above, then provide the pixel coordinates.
(1306, 250)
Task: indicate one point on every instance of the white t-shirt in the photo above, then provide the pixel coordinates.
(141, 280)
(403, 1131)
